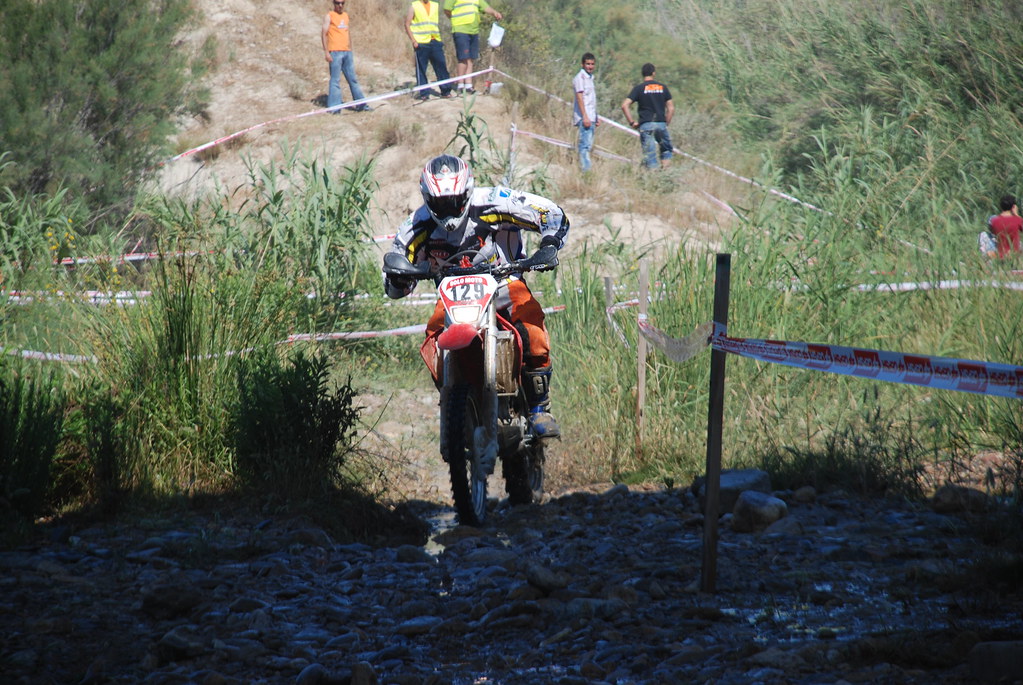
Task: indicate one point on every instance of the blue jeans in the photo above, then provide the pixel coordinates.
(654, 135)
(585, 145)
(342, 62)
(427, 54)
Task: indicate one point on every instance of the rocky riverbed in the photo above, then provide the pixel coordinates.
(596, 585)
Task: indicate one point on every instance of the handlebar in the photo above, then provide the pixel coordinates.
(396, 265)
(498, 271)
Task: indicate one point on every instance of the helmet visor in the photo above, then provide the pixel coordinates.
(448, 206)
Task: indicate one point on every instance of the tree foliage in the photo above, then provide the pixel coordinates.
(91, 88)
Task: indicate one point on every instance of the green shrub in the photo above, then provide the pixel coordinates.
(291, 430)
(867, 455)
(31, 424)
(35, 229)
(310, 228)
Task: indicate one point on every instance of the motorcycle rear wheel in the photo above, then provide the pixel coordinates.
(468, 484)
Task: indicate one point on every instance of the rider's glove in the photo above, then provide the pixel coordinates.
(546, 258)
(397, 287)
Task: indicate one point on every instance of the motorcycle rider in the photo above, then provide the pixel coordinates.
(457, 216)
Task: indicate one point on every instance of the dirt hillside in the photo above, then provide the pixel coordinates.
(270, 68)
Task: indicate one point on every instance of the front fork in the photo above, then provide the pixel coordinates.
(485, 439)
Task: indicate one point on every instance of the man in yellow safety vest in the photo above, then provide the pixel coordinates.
(422, 24)
(465, 29)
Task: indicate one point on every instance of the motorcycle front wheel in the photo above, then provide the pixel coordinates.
(468, 482)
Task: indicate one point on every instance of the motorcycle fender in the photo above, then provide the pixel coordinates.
(432, 357)
(457, 336)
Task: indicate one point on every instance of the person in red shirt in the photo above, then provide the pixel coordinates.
(1007, 226)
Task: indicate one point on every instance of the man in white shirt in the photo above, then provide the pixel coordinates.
(584, 113)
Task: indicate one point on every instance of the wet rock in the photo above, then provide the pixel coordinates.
(544, 578)
(755, 511)
(182, 642)
(805, 495)
(997, 662)
(950, 499)
(169, 599)
(244, 605)
(410, 554)
(363, 673)
(784, 526)
(732, 483)
(313, 674)
(419, 625)
(597, 586)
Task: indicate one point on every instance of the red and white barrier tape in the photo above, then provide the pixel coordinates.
(946, 373)
(710, 165)
(353, 335)
(963, 375)
(609, 312)
(48, 356)
(297, 337)
(677, 349)
(325, 110)
(129, 257)
(570, 146)
(489, 70)
(911, 286)
(123, 297)
(694, 158)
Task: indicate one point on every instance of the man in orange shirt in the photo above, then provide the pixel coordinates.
(337, 48)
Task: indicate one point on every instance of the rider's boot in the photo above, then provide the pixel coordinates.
(537, 384)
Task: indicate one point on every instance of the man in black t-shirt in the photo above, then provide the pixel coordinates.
(655, 112)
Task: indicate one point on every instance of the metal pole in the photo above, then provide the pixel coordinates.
(715, 410)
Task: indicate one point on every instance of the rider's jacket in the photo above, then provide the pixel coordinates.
(496, 218)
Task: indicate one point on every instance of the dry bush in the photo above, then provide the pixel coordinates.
(394, 131)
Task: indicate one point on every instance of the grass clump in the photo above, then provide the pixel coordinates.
(291, 430)
(868, 455)
(31, 426)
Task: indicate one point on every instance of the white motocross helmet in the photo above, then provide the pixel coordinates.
(447, 185)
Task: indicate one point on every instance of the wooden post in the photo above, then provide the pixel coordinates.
(509, 170)
(715, 410)
(644, 278)
(490, 76)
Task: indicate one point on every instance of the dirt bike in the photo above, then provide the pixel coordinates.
(477, 361)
